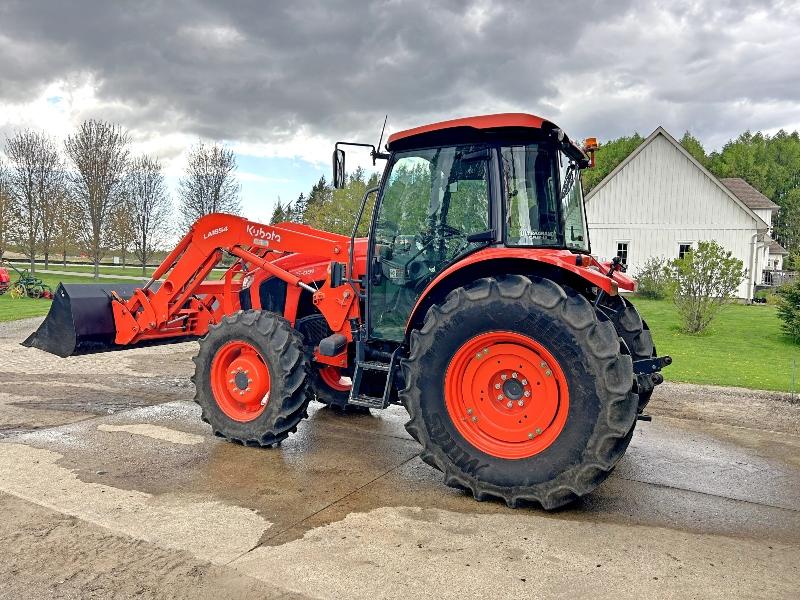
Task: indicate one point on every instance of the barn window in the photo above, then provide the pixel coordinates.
(683, 250)
(622, 252)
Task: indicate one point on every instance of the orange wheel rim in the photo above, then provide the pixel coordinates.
(506, 394)
(240, 381)
(333, 378)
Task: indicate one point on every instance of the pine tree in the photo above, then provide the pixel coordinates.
(278, 213)
(320, 192)
(300, 206)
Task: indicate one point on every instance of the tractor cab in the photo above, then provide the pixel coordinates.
(454, 188)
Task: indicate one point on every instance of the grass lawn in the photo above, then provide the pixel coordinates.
(743, 347)
(21, 308)
(128, 271)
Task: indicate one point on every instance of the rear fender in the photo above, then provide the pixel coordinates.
(559, 265)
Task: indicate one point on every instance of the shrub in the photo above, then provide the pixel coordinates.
(653, 279)
(705, 280)
(769, 297)
(789, 309)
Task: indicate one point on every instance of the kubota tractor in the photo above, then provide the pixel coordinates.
(474, 302)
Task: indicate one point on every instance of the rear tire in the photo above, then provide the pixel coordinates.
(251, 378)
(634, 331)
(593, 404)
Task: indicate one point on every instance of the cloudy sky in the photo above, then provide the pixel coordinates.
(281, 81)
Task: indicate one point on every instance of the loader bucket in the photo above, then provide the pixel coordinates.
(80, 320)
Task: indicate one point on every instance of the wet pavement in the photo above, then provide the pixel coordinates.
(110, 485)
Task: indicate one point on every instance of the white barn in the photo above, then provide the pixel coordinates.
(660, 201)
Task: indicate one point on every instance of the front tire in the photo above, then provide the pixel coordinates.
(251, 378)
(331, 387)
(577, 411)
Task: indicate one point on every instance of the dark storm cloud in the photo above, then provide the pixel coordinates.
(259, 72)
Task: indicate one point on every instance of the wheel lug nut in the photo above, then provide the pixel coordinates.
(520, 402)
(548, 373)
(510, 404)
(500, 397)
(531, 436)
(524, 382)
(514, 375)
(474, 419)
(538, 430)
(527, 394)
(503, 376)
(469, 411)
(497, 386)
(543, 365)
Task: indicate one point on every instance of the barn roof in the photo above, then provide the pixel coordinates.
(660, 131)
(748, 194)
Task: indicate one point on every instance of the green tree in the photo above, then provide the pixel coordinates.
(653, 279)
(299, 209)
(278, 213)
(789, 309)
(693, 146)
(336, 210)
(320, 193)
(607, 157)
(771, 164)
(705, 280)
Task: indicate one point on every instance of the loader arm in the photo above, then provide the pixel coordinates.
(186, 302)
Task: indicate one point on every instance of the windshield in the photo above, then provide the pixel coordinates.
(538, 211)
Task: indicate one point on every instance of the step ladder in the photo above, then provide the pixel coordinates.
(373, 366)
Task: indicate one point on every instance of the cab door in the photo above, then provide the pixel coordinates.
(432, 201)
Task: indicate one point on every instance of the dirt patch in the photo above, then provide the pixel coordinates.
(771, 411)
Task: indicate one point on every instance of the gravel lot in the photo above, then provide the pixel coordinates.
(110, 486)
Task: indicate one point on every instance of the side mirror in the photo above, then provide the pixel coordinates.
(338, 169)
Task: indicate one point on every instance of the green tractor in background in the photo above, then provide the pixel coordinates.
(26, 285)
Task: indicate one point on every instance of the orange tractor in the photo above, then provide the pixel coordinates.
(474, 302)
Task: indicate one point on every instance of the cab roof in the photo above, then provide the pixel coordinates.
(477, 128)
(480, 123)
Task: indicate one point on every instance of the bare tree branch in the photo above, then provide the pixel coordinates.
(36, 171)
(120, 227)
(149, 207)
(67, 223)
(209, 184)
(8, 209)
(99, 153)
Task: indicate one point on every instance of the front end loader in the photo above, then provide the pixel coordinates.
(474, 302)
